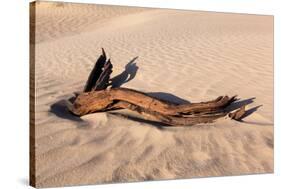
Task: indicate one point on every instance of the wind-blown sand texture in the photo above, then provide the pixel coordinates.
(194, 55)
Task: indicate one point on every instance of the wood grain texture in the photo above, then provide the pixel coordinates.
(96, 97)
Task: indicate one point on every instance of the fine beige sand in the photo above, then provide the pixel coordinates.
(175, 54)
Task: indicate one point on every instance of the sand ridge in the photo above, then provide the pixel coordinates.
(193, 55)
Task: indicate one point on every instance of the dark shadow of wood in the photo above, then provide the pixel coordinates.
(60, 110)
(238, 104)
(127, 75)
(249, 112)
(168, 97)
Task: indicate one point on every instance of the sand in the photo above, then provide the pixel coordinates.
(175, 54)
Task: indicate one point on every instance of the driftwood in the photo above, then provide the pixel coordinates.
(98, 96)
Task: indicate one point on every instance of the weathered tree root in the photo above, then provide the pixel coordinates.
(97, 97)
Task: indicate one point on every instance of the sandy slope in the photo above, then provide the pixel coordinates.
(193, 55)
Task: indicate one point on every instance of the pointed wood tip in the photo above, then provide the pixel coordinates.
(103, 52)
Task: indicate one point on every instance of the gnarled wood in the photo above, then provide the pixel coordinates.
(95, 101)
(168, 119)
(98, 97)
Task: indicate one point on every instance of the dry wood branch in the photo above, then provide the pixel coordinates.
(97, 97)
(94, 101)
(99, 76)
(167, 119)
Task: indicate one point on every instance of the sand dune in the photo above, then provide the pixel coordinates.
(191, 54)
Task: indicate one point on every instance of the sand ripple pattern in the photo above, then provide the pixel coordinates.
(194, 55)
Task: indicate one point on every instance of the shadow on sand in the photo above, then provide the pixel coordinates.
(241, 103)
(60, 109)
(168, 97)
(127, 75)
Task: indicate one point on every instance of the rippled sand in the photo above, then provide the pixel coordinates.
(193, 55)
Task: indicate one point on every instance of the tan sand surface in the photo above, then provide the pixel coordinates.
(193, 55)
